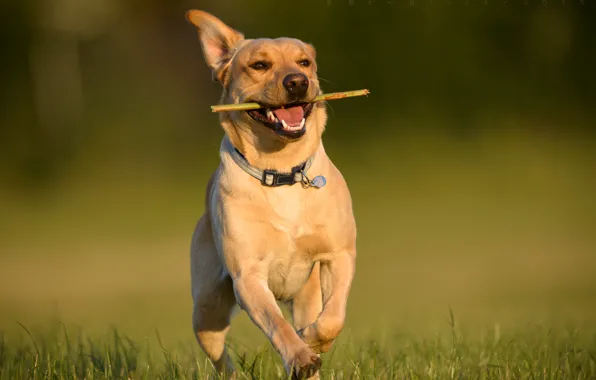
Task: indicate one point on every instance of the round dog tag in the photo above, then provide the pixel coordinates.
(318, 182)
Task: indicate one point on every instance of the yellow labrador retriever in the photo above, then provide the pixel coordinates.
(278, 222)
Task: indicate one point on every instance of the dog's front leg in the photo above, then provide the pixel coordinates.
(254, 296)
(336, 280)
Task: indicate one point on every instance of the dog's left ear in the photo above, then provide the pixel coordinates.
(217, 40)
(311, 49)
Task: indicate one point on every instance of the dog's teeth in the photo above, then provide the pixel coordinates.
(283, 123)
(270, 115)
(302, 123)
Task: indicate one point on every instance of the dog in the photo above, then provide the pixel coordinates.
(278, 222)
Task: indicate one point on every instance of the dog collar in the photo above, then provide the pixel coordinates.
(273, 178)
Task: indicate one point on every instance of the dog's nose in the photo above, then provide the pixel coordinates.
(296, 84)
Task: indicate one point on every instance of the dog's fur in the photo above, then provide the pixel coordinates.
(256, 245)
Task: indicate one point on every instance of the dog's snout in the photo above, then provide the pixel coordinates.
(296, 84)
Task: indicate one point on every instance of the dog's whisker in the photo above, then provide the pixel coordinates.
(330, 107)
(325, 80)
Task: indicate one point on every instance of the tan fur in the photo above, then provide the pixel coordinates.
(256, 245)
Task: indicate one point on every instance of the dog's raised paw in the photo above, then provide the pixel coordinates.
(306, 364)
(310, 336)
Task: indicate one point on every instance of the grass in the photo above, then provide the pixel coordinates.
(536, 352)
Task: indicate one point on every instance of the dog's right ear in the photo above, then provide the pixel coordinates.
(217, 40)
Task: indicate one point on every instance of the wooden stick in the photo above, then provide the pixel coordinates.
(320, 98)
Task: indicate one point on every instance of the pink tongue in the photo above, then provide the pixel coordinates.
(292, 116)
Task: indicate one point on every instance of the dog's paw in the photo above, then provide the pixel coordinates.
(305, 364)
(317, 343)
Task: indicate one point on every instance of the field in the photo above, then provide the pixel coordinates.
(471, 265)
(535, 353)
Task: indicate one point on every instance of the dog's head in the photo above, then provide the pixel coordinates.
(280, 74)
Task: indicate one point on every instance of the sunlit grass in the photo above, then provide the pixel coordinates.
(535, 352)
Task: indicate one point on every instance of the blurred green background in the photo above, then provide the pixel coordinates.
(472, 164)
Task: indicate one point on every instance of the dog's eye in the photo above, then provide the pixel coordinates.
(260, 65)
(304, 62)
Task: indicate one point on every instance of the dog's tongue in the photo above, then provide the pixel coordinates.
(292, 115)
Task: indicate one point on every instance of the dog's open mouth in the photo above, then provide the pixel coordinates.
(288, 121)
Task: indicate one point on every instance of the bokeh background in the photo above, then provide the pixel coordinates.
(472, 163)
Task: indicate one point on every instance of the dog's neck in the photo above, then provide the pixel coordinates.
(264, 151)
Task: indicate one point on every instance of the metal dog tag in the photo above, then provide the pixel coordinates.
(318, 182)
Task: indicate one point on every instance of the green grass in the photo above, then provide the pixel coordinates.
(535, 352)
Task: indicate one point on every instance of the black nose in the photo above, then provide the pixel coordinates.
(296, 84)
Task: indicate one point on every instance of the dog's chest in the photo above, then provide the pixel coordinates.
(287, 203)
(300, 237)
(287, 275)
(298, 214)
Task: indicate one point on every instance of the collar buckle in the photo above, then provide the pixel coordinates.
(272, 178)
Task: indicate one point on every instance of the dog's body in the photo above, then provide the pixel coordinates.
(259, 244)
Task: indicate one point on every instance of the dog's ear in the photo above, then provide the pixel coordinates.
(217, 40)
(311, 49)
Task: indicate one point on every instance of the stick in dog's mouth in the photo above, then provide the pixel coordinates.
(288, 120)
(320, 98)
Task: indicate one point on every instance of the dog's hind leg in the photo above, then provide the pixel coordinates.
(211, 323)
(213, 297)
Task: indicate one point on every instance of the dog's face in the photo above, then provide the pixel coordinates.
(280, 74)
